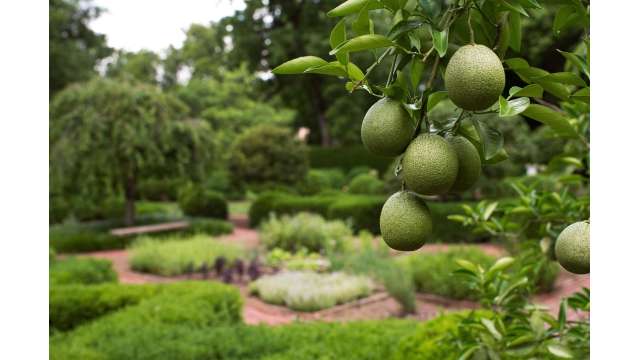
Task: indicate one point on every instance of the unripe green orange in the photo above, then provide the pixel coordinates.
(572, 248)
(429, 165)
(405, 221)
(387, 128)
(474, 77)
(469, 163)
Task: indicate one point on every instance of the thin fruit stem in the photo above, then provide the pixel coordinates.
(393, 65)
(370, 69)
(471, 33)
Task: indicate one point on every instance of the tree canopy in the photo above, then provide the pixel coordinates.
(105, 135)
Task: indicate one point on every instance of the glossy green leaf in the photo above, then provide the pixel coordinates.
(565, 78)
(533, 90)
(562, 314)
(492, 140)
(517, 63)
(555, 120)
(417, 68)
(576, 61)
(513, 107)
(514, 6)
(529, 4)
(457, 218)
(560, 351)
(582, 95)
(337, 37)
(364, 42)
(298, 65)
(333, 68)
(491, 327)
(565, 16)
(354, 72)
(440, 41)
(467, 265)
(499, 157)
(361, 25)
(353, 6)
(403, 27)
(501, 264)
(486, 214)
(469, 353)
(515, 31)
(435, 98)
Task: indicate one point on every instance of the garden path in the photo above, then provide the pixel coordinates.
(378, 306)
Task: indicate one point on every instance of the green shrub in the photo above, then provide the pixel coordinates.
(371, 340)
(157, 327)
(346, 158)
(81, 271)
(157, 209)
(177, 255)
(445, 230)
(262, 207)
(363, 212)
(433, 273)
(310, 291)
(301, 260)
(304, 231)
(431, 339)
(197, 201)
(295, 204)
(268, 154)
(373, 259)
(366, 184)
(318, 180)
(72, 305)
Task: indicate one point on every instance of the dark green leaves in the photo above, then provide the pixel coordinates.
(432, 8)
(362, 25)
(337, 37)
(513, 107)
(353, 6)
(577, 61)
(515, 31)
(514, 6)
(298, 65)
(492, 140)
(435, 98)
(564, 78)
(440, 41)
(403, 27)
(364, 42)
(533, 90)
(555, 120)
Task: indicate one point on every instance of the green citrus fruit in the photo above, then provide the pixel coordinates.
(469, 164)
(387, 128)
(572, 248)
(405, 221)
(474, 77)
(430, 165)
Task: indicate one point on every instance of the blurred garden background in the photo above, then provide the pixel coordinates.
(201, 207)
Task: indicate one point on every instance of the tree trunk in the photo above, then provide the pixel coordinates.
(321, 109)
(131, 189)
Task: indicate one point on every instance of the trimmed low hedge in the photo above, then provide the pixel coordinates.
(158, 327)
(201, 202)
(347, 158)
(79, 237)
(362, 210)
(72, 305)
(81, 271)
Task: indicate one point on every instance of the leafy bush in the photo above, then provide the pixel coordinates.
(73, 238)
(304, 231)
(72, 305)
(262, 207)
(309, 291)
(174, 256)
(362, 212)
(367, 184)
(198, 201)
(430, 341)
(433, 273)
(371, 340)
(268, 154)
(81, 271)
(211, 227)
(346, 158)
(156, 327)
(373, 259)
(318, 180)
(301, 260)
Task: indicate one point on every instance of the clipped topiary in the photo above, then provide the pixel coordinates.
(469, 163)
(387, 128)
(200, 202)
(405, 222)
(474, 77)
(430, 165)
(572, 248)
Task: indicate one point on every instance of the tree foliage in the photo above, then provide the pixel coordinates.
(105, 135)
(74, 49)
(137, 66)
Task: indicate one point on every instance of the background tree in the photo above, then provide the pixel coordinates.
(106, 135)
(139, 66)
(74, 49)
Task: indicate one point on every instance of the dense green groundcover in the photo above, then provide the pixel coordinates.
(81, 271)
